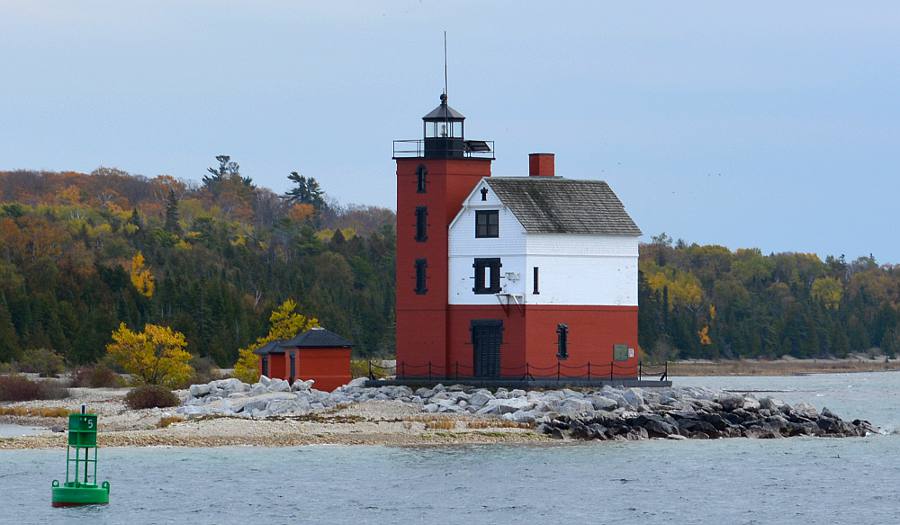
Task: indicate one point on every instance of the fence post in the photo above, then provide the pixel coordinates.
(370, 370)
(667, 370)
(429, 370)
(640, 370)
(589, 370)
(611, 363)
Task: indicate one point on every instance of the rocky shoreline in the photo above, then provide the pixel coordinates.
(605, 414)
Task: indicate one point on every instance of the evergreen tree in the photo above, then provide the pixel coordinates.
(306, 191)
(172, 224)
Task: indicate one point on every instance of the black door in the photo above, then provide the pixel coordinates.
(486, 338)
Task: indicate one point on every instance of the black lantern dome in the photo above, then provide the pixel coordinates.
(444, 132)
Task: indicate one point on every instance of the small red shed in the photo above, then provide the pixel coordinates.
(316, 354)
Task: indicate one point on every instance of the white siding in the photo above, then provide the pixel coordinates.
(582, 269)
(574, 269)
(465, 247)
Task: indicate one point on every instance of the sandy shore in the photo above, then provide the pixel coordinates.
(368, 423)
(780, 367)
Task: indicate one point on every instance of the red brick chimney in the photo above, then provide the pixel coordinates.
(540, 164)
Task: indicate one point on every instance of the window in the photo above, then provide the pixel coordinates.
(265, 365)
(484, 192)
(421, 223)
(421, 266)
(421, 173)
(562, 341)
(487, 276)
(536, 288)
(487, 223)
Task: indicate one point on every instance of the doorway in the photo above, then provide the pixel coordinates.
(487, 335)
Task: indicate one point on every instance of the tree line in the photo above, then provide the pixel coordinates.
(82, 253)
(710, 302)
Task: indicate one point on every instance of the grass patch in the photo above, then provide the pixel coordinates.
(164, 422)
(35, 411)
(20, 388)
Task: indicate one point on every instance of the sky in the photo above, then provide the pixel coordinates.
(772, 124)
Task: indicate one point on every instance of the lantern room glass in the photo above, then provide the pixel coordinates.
(444, 129)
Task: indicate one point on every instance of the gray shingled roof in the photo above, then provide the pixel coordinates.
(558, 205)
(316, 338)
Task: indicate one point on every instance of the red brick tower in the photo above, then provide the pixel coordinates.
(434, 175)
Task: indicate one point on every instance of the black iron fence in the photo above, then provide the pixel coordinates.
(589, 371)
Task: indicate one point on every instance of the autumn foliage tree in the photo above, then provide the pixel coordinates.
(141, 277)
(156, 356)
(284, 323)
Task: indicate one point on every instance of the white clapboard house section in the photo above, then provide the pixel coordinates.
(575, 232)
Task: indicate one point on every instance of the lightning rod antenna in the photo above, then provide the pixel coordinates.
(445, 63)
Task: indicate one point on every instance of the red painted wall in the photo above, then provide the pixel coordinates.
(593, 331)
(529, 336)
(277, 365)
(329, 367)
(422, 319)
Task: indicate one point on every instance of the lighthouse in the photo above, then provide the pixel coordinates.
(434, 175)
(509, 278)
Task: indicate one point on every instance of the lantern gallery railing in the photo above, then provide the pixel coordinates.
(589, 371)
(482, 149)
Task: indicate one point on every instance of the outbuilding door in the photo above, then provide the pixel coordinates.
(487, 335)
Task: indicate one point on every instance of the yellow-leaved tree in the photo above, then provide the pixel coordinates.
(156, 356)
(284, 323)
(141, 277)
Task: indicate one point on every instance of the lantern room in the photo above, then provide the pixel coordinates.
(444, 133)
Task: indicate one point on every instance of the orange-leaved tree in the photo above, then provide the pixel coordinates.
(284, 323)
(156, 356)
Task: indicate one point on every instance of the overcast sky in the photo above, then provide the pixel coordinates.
(772, 125)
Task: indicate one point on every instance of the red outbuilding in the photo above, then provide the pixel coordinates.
(316, 354)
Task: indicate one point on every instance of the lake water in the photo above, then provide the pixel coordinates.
(734, 481)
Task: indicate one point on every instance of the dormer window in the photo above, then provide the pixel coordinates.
(487, 224)
(484, 192)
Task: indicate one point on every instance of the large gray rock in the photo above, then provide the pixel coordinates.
(199, 390)
(806, 410)
(730, 401)
(279, 385)
(603, 403)
(574, 406)
(633, 397)
(302, 386)
(288, 406)
(503, 406)
(479, 398)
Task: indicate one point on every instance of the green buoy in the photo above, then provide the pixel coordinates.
(81, 486)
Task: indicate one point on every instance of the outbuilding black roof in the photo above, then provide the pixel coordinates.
(272, 347)
(558, 205)
(316, 338)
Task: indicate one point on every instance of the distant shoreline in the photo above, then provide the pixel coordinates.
(779, 367)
